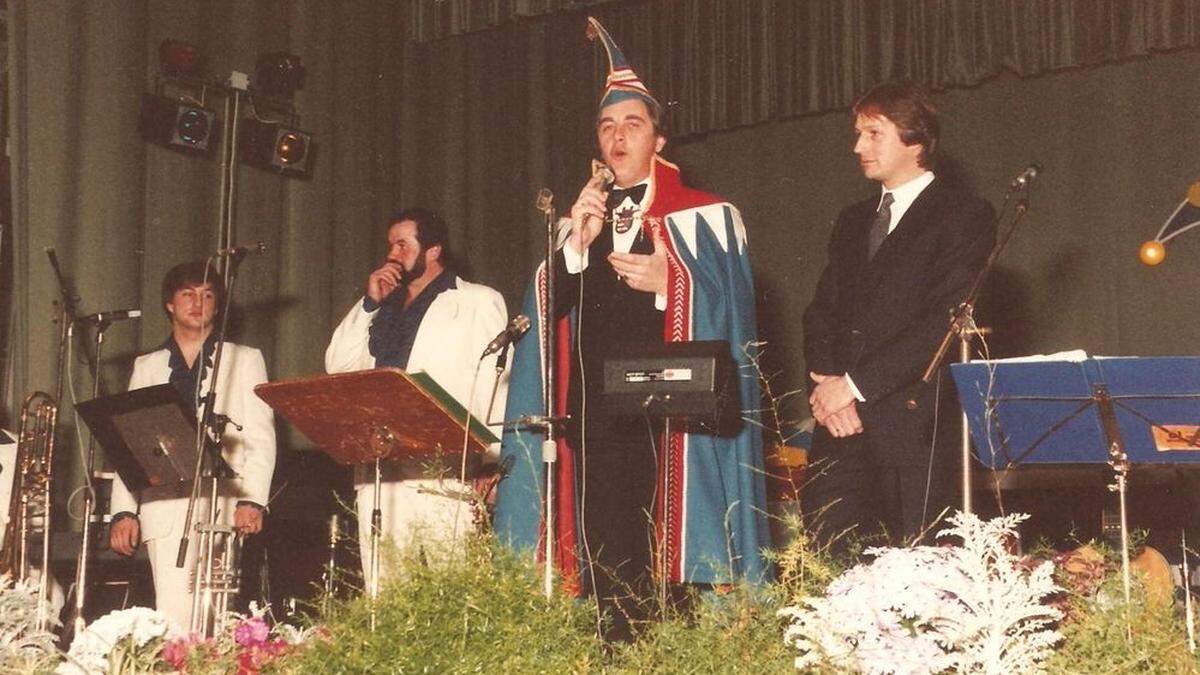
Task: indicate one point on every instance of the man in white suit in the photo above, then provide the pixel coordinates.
(8, 464)
(419, 316)
(191, 300)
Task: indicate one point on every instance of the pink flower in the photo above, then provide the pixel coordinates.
(252, 632)
(253, 658)
(175, 652)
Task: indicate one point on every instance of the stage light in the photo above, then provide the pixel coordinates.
(1185, 217)
(275, 147)
(278, 74)
(1152, 253)
(179, 59)
(177, 124)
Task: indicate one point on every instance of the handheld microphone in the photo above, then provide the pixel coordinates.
(257, 248)
(511, 333)
(109, 317)
(606, 174)
(1026, 176)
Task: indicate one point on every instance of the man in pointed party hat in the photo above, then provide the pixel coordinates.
(647, 261)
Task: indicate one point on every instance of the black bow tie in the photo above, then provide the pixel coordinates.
(617, 195)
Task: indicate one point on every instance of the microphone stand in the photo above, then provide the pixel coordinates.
(89, 497)
(66, 321)
(545, 203)
(208, 458)
(962, 325)
(501, 362)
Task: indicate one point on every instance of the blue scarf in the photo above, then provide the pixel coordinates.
(394, 329)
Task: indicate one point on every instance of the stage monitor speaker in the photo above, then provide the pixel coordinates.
(690, 382)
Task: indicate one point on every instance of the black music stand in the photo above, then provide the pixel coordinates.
(148, 435)
(1118, 411)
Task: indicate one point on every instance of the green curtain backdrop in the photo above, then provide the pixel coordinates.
(472, 115)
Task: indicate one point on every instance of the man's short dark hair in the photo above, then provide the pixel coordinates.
(431, 231)
(654, 109)
(909, 107)
(192, 273)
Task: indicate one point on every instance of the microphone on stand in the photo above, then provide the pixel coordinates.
(109, 317)
(545, 200)
(1026, 177)
(511, 333)
(257, 248)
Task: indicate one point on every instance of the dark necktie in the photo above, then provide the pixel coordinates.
(879, 225)
(617, 195)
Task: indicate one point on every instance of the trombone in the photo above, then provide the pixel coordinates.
(29, 506)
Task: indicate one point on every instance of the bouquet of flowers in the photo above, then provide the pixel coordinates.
(973, 608)
(248, 644)
(140, 640)
(124, 641)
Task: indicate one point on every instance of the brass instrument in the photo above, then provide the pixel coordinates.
(216, 576)
(29, 506)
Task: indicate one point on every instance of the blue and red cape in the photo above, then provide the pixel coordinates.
(710, 510)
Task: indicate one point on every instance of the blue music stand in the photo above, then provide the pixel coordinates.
(1057, 412)
(1118, 411)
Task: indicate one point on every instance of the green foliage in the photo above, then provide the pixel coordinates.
(482, 611)
(734, 632)
(1096, 638)
(486, 611)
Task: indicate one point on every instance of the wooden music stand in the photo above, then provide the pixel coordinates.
(384, 413)
(371, 415)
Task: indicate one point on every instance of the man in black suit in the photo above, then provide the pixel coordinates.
(898, 264)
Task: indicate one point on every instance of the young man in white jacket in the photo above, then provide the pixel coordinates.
(156, 516)
(418, 315)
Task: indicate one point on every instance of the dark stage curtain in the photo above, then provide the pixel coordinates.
(1102, 93)
(730, 63)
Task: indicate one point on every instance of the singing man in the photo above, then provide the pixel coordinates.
(648, 260)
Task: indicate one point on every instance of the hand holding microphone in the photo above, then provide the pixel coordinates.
(589, 210)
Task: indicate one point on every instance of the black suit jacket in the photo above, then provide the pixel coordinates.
(881, 320)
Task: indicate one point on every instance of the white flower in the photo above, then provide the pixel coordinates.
(91, 649)
(22, 644)
(969, 608)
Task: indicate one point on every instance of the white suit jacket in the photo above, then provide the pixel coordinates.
(458, 325)
(250, 452)
(8, 466)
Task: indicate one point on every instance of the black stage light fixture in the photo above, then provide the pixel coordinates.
(177, 124)
(275, 147)
(278, 74)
